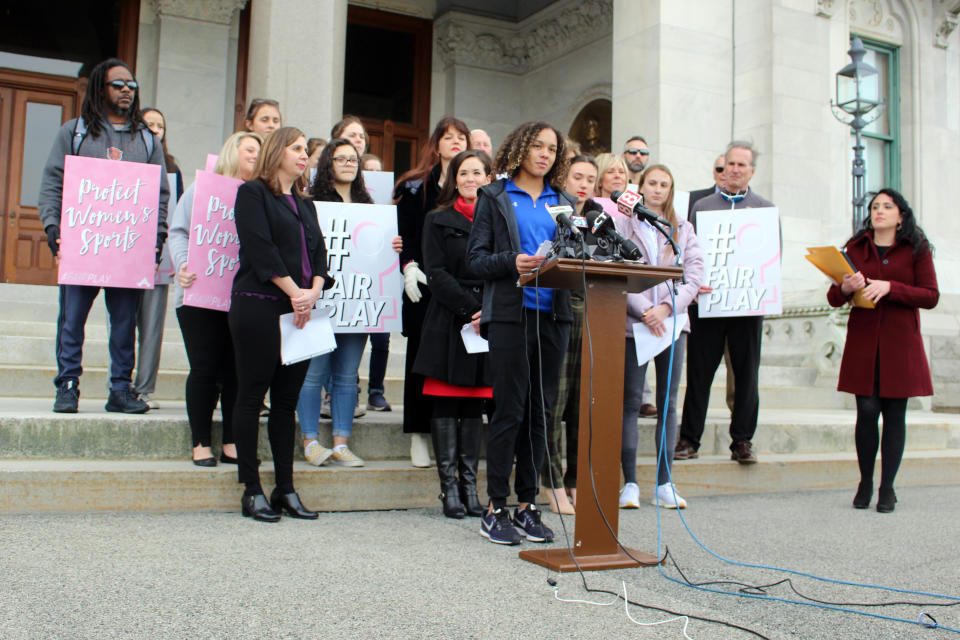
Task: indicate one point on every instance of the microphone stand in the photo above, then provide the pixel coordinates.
(676, 250)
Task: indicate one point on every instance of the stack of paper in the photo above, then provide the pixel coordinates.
(835, 264)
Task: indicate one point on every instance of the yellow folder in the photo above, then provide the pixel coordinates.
(834, 264)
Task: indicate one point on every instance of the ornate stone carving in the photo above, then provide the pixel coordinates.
(825, 8)
(489, 44)
(219, 11)
(868, 12)
(947, 25)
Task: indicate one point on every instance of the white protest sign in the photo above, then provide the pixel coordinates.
(681, 202)
(379, 185)
(365, 297)
(741, 262)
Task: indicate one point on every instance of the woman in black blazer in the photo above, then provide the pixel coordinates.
(283, 268)
(455, 379)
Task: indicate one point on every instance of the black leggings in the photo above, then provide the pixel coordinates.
(256, 341)
(868, 439)
(213, 375)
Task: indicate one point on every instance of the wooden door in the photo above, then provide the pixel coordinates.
(32, 108)
(387, 83)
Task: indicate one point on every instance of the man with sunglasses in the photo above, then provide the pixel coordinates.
(110, 126)
(635, 154)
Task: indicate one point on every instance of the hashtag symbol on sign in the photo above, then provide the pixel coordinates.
(721, 240)
(337, 236)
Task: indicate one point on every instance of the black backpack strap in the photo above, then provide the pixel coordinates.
(79, 133)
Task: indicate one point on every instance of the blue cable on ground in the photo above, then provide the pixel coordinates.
(925, 620)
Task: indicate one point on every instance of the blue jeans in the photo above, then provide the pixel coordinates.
(339, 370)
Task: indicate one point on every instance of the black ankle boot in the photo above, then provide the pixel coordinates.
(471, 435)
(864, 492)
(886, 500)
(444, 432)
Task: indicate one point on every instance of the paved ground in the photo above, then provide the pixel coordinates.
(415, 574)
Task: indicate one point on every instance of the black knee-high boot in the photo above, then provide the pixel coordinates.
(471, 435)
(444, 431)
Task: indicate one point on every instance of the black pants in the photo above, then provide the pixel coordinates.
(213, 374)
(255, 329)
(521, 412)
(379, 354)
(704, 354)
(867, 433)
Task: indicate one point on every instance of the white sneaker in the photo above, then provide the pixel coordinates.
(346, 458)
(420, 450)
(145, 399)
(316, 454)
(666, 496)
(630, 496)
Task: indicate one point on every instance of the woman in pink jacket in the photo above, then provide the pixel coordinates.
(653, 309)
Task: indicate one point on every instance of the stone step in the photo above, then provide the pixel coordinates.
(36, 381)
(28, 429)
(32, 350)
(83, 486)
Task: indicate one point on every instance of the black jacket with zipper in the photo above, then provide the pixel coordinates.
(492, 255)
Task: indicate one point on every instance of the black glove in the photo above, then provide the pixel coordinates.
(53, 235)
(161, 238)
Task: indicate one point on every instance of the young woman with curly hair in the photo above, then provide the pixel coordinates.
(527, 328)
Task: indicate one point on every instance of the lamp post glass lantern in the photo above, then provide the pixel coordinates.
(857, 103)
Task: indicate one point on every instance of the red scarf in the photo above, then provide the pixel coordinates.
(464, 207)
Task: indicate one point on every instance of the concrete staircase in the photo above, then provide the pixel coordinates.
(94, 461)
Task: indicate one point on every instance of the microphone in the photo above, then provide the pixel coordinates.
(561, 215)
(631, 204)
(601, 225)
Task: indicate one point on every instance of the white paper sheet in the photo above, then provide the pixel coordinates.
(316, 338)
(472, 342)
(648, 345)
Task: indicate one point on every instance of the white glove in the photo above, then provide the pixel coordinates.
(411, 276)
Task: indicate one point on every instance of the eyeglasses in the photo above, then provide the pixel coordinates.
(634, 152)
(349, 161)
(120, 84)
(719, 169)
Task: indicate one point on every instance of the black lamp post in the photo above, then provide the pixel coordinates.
(857, 95)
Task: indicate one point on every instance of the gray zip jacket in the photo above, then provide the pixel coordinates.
(129, 141)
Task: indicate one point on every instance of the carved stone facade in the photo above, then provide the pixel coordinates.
(218, 11)
(947, 24)
(498, 46)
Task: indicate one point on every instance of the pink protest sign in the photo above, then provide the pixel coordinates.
(211, 161)
(214, 245)
(108, 223)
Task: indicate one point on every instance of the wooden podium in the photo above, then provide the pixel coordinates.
(595, 547)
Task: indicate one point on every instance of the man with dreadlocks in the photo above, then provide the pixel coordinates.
(110, 126)
(527, 328)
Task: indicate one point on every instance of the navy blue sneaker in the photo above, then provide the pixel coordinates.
(497, 527)
(527, 523)
(68, 398)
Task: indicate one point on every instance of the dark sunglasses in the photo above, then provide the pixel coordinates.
(634, 152)
(718, 169)
(120, 84)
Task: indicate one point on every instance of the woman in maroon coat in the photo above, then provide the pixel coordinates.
(884, 363)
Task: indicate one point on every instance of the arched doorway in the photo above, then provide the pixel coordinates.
(591, 128)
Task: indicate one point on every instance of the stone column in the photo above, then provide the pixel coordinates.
(297, 50)
(191, 75)
(671, 82)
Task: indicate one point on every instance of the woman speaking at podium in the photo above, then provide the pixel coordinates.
(527, 328)
(883, 362)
